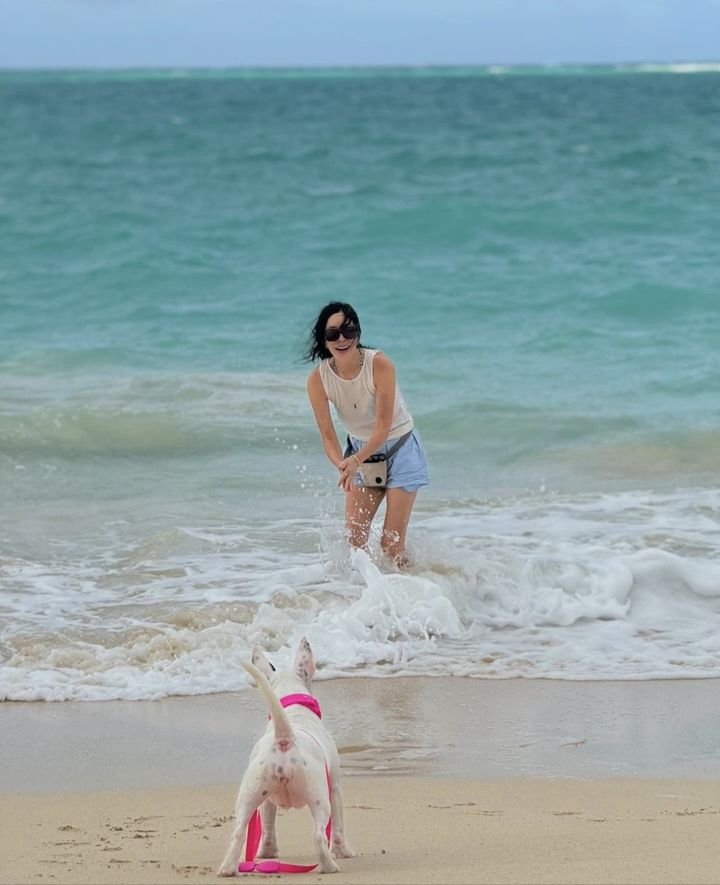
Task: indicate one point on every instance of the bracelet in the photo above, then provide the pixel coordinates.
(359, 462)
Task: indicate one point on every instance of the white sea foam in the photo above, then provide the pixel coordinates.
(586, 587)
(691, 67)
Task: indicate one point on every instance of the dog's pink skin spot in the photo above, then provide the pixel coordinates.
(284, 744)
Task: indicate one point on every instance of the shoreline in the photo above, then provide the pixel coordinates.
(445, 780)
(410, 726)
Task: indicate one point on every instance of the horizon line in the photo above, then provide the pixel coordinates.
(708, 64)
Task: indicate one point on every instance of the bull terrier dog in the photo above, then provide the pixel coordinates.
(295, 763)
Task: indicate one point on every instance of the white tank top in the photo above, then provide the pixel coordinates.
(354, 400)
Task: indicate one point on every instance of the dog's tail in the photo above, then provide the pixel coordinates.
(284, 735)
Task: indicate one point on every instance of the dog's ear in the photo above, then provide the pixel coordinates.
(305, 663)
(261, 662)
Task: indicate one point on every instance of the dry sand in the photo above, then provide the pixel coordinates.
(446, 780)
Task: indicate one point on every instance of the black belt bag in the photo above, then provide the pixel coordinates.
(373, 470)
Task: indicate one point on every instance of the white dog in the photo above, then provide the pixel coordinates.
(290, 764)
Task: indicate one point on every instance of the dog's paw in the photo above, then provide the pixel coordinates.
(329, 867)
(226, 871)
(342, 849)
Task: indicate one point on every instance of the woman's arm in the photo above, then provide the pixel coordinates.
(321, 410)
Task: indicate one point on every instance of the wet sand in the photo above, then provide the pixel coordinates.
(445, 780)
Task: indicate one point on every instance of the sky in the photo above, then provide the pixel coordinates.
(288, 33)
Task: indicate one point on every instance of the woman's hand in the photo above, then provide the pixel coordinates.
(348, 467)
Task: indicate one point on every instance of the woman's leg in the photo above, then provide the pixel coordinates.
(361, 505)
(397, 517)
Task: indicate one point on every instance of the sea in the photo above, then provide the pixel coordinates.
(538, 252)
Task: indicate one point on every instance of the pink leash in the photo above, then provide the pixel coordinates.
(254, 827)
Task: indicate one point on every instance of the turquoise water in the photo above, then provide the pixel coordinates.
(536, 251)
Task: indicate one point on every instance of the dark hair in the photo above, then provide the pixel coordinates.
(318, 348)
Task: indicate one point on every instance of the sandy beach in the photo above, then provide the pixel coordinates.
(445, 780)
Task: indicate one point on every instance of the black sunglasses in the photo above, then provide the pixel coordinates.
(349, 331)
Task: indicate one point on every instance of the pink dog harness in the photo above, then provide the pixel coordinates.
(304, 700)
(254, 827)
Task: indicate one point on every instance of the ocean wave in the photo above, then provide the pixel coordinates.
(82, 432)
(592, 587)
(643, 456)
(652, 304)
(145, 414)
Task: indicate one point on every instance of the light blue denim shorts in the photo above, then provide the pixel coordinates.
(406, 469)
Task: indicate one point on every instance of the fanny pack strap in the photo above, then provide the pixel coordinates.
(400, 442)
(390, 452)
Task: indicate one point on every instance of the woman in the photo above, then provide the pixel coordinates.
(361, 385)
